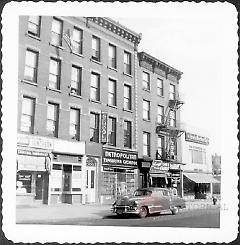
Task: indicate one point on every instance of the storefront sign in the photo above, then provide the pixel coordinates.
(119, 158)
(159, 166)
(108, 169)
(33, 141)
(22, 177)
(32, 153)
(196, 138)
(104, 127)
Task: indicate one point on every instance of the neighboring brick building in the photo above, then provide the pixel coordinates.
(159, 146)
(76, 103)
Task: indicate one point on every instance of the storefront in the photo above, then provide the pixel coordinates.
(33, 168)
(119, 174)
(66, 178)
(198, 185)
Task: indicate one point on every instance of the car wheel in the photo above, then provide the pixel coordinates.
(143, 212)
(175, 210)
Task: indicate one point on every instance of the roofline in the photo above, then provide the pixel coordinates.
(161, 62)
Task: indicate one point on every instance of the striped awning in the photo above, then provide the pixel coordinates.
(201, 178)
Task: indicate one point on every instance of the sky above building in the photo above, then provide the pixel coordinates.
(198, 41)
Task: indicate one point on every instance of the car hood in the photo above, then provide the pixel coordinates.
(126, 200)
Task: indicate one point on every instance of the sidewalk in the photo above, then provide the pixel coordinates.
(59, 212)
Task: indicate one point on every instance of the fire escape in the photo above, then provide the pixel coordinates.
(171, 128)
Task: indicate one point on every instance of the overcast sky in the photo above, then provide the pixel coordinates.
(196, 41)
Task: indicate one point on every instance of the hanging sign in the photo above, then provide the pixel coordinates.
(104, 127)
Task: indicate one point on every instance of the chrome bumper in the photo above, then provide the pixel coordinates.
(125, 210)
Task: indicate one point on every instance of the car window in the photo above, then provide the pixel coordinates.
(142, 193)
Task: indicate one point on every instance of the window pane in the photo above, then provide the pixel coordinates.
(31, 58)
(54, 66)
(34, 19)
(56, 26)
(27, 106)
(77, 35)
(51, 112)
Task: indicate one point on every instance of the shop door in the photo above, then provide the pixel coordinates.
(90, 184)
(39, 187)
(121, 184)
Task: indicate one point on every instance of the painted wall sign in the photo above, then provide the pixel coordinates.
(32, 153)
(104, 127)
(119, 157)
(196, 138)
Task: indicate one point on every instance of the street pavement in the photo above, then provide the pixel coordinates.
(200, 213)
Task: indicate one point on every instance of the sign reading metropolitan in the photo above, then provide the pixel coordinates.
(119, 157)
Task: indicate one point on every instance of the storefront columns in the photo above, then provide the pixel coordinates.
(84, 170)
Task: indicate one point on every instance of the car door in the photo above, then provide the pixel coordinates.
(166, 199)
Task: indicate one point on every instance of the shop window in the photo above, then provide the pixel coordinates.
(127, 63)
(67, 177)
(76, 80)
(96, 48)
(31, 66)
(54, 73)
(95, 87)
(24, 181)
(112, 55)
(94, 127)
(34, 23)
(77, 178)
(57, 31)
(77, 40)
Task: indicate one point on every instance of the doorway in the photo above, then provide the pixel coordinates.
(90, 184)
(39, 187)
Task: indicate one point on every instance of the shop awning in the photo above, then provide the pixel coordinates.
(201, 178)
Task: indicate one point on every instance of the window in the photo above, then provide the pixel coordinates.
(112, 123)
(94, 127)
(146, 110)
(77, 40)
(74, 129)
(172, 91)
(57, 29)
(112, 95)
(27, 117)
(160, 114)
(112, 56)
(128, 134)
(146, 144)
(146, 80)
(54, 73)
(160, 87)
(52, 119)
(198, 155)
(172, 118)
(34, 23)
(127, 97)
(31, 66)
(95, 87)
(95, 48)
(127, 63)
(76, 80)
(160, 147)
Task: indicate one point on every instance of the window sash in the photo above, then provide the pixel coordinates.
(160, 114)
(127, 134)
(112, 56)
(95, 88)
(27, 117)
(31, 66)
(172, 92)
(112, 100)
(146, 81)
(77, 41)
(112, 131)
(146, 144)
(76, 80)
(52, 119)
(94, 127)
(146, 110)
(160, 87)
(34, 25)
(96, 48)
(74, 129)
(127, 97)
(127, 63)
(54, 74)
(57, 27)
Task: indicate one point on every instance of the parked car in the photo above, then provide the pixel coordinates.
(150, 200)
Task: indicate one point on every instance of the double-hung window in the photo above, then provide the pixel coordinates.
(160, 87)
(34, 23)
(127, 97)
(112, 56)
(94, 127)
(112, 92)
(146, 110)
(160, 114)
(95, 87)
(77, 41)
(54, 73)
(127, 134)
(52, 119)
(57, 32)
(112, 126)
(27, 117)
(31, 66)
(146, 144)
(172, 92)
(146, 80)
(172, 118)
(127, 63)
(76, 80)
(96, 48)
(74, 129)
(160, 147)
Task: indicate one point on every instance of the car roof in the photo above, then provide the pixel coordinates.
(152, 189)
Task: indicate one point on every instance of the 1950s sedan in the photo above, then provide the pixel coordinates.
(148, 201)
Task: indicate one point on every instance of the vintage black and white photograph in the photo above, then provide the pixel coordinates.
(120, 122)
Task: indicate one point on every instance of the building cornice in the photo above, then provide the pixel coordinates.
(156, 63)
(116, 28)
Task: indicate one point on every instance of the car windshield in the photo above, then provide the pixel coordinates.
(142, 193)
